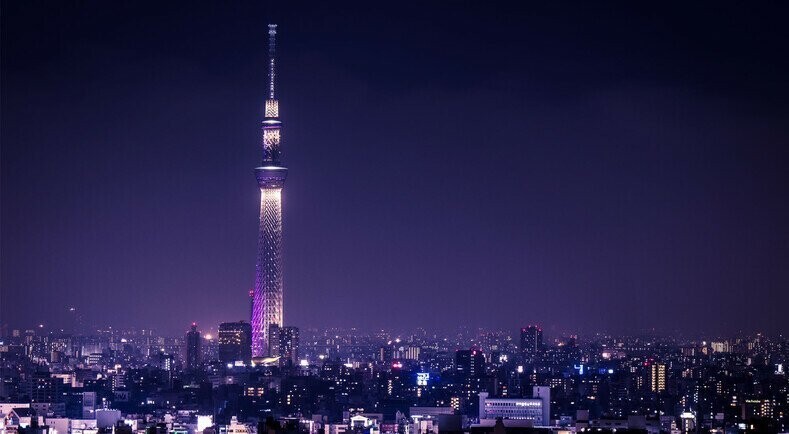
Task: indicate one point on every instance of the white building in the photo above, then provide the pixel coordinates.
(537, 409)
(83, 426)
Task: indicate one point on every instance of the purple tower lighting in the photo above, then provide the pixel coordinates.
(267, 296)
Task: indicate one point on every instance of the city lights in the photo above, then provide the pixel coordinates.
(506, 218)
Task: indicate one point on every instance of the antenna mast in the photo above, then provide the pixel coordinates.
(272, 35)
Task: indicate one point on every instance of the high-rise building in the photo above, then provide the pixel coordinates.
(235, 342)
(471, 363)
(289, 345)
(657, 377)
(274, 337)
(544, 393)
(193, 350)
(531, 340)
(271, 174)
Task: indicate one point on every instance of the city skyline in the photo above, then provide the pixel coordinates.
(492, 167)
(504, 218)
(140, 382)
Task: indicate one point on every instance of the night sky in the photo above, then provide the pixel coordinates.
(587, 166)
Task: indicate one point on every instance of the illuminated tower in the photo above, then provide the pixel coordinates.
(267, 298)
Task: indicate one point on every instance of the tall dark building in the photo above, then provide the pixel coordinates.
(235, 342)
(193, 349)
(289, 345)
(470, 363)
(42, 387)
(531, 341)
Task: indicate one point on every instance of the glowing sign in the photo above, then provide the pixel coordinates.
(422, 378)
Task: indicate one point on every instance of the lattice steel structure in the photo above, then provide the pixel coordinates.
(267, 296)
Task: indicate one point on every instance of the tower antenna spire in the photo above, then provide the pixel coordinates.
(272, 44)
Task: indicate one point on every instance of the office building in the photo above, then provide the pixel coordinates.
(289, 345)
(470, 363)
(274, 337)
(234, 342)
(530, 409)
(531, 341)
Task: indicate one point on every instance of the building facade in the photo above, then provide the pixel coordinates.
(289, 345)
(470, 363)
(534, 409)
(531, 340)
(234, 342)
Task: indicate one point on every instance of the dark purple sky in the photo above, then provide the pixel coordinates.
(584, 166)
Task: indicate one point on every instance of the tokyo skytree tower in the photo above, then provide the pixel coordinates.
(267, 296)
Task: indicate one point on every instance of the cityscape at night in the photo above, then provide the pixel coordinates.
(470, 218)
